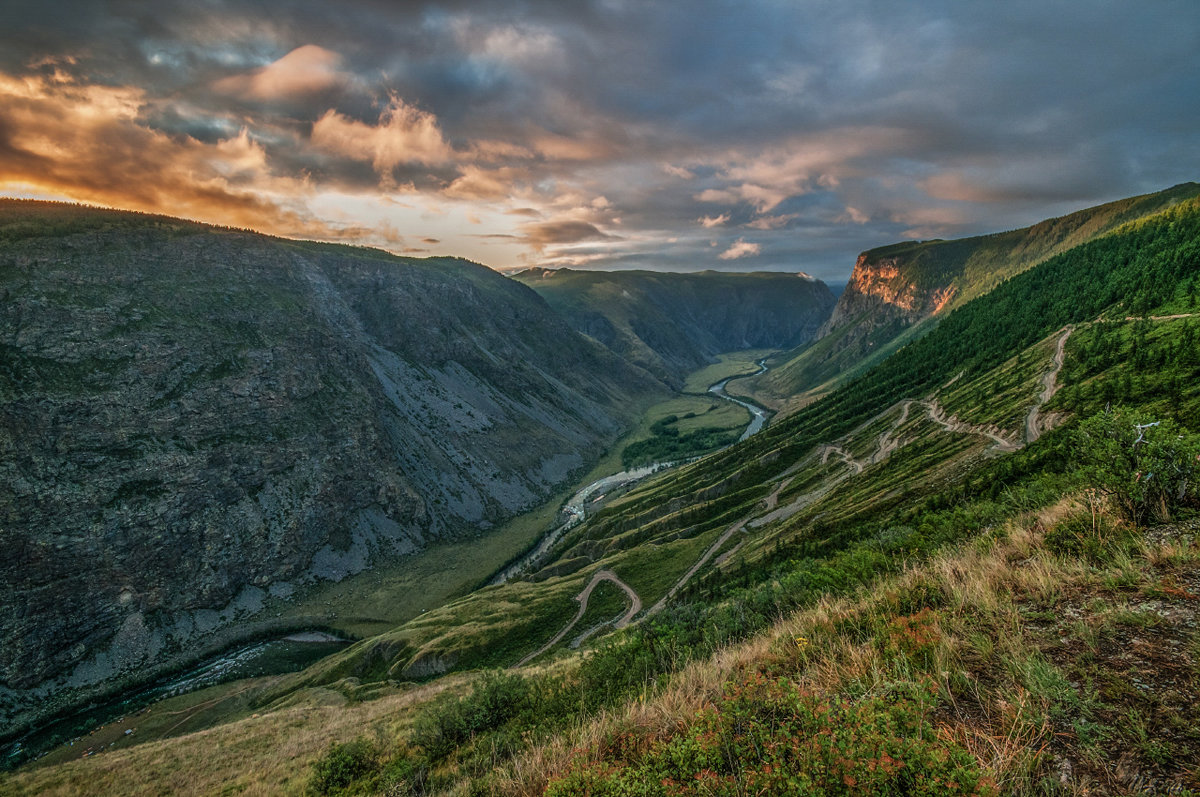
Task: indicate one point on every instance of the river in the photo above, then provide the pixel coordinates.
(576, 508)
(290, 653)
(297, 651)
(760, 415)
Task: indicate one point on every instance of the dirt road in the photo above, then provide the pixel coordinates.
(635, 606)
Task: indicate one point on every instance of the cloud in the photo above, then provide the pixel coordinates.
(772, 222)
(821, 128)
(739, 249)
(542, 234)
(86, 142)
(484, 184)
(714, 221)
(854, 216)
(717, 195)
(404, 134)
(305, 70)
(567, 148)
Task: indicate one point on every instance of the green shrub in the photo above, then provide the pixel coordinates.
(497, 700)
(343, 765)
(1093, 539)
(769, 737)
(1148, 467)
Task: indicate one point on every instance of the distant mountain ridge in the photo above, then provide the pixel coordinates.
(895, 288)
(193, 420)
(673, 323)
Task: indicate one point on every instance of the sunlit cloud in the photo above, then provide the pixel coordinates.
(739, 249)
(84, 142)
(479, 183)
(772, 222)
(403, 134)
(609, 135)
(305, 70)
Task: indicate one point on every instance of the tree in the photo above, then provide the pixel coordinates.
(1149, 468)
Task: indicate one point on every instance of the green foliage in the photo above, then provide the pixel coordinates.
(1091, 538)
(1150, 364)
(1148, 468)
(770, 737)
(971, 266)
(496, 700)
(344, 764)
(669, 445)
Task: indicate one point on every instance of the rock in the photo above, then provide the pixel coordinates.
(190, 416)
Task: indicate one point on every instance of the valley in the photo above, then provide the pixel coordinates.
(895, 550)
(599, 399)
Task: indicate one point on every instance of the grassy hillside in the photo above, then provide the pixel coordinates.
(672, 324)
(952, 575)
(897, 287)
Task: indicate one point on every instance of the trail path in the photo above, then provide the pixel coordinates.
(635, 606)
(887, 444)
(1161, 317)
(703, 560)
(576, 509)
(1049, 387)
(829, 448)
(952, 424)
(772, 500)
(1003, 442)
(884, 447)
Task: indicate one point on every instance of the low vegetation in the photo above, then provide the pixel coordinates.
(901, 595)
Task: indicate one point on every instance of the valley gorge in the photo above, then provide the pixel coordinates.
(194, 421)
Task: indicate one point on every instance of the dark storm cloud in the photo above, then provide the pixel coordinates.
(783, 135)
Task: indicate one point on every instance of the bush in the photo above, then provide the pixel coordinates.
(1092, 538)
(1148, 468)
(769, 737)
(495, 701)
(343, 765)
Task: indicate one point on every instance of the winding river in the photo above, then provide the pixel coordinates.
(289, 653)
(760, 415)
(576, 508)
(298, 650)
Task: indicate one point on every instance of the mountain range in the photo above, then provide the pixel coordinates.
(672, 323)
(964, 558)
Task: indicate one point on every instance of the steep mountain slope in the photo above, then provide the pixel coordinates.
(670, 324)
(919, 573)
(928, 417)
(895, 288)
(928, 449)
(195, 420)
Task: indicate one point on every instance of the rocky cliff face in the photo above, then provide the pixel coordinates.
(193, 421)
(671, 324)
(895, 287)
(879, 287)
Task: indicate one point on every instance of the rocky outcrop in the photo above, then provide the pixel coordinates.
(196, 422)
(895, 287)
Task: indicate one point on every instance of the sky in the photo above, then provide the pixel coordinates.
(611, 134)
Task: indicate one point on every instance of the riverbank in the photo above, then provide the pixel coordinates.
(72, 734)
(576, 508)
